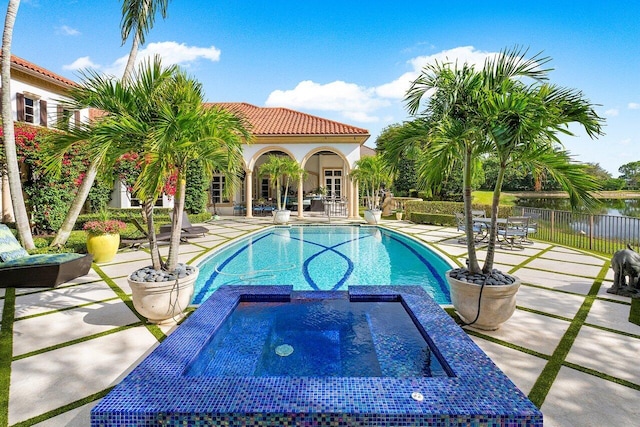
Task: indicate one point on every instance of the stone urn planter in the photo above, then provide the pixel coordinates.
(281, 216)
(162, 296)
(399, 216)
(103, 247)
(497, 304)
(372, 216)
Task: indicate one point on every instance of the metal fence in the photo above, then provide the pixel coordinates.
(600, 233)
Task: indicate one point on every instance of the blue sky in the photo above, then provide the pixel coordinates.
(351, 61)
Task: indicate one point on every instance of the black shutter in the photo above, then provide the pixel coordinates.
(20, 106)
(43, 113)
(76, 116)
(59, 116)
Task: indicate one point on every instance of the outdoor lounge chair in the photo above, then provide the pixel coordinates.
(188, 229)
(19, 269)
(137, 243)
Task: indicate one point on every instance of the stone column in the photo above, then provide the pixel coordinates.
(248, 196)
(300, 197)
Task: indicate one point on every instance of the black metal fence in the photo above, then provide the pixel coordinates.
(600, 233)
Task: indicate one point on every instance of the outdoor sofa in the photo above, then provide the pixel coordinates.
(19, 269)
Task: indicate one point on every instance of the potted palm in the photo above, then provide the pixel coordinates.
(282, 171)
(493, 111)
(371, 172)
(159, 114)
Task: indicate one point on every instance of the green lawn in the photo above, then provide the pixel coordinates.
(486, 197)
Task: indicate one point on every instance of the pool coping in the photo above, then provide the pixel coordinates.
(157, 391)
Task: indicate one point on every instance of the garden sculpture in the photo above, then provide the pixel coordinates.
(625, 262)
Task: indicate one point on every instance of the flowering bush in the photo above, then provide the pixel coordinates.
(109, 226)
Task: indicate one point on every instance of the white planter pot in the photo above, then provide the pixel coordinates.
(399, 216)
(282, 216)
(372, 216)
(496, 307)
(163, 302)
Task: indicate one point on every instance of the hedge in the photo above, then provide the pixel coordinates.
(445, 211)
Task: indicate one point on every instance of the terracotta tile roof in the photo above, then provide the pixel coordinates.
(32, 68)
(283, 121)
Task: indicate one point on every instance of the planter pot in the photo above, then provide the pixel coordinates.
(103, 247)
(282, 216)
(163, 302)
(496, 307)
(399, 216)
(372, 216)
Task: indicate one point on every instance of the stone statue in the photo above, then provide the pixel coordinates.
(625, 262)
(387, 203)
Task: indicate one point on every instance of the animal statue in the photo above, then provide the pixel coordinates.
(387, 203)
(625, 263)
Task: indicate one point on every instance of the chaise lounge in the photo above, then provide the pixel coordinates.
(19, 269)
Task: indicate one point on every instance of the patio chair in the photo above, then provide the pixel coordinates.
(479, 230)
(532, 228)
(164, 236)
(19, 269)
(513, 232)
(188, 229)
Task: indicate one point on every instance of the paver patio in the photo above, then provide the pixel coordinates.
(64, 349)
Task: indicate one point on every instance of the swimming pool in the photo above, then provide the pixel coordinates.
(324, 258)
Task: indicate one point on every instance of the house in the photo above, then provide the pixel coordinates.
(326, 149)
(36, 95)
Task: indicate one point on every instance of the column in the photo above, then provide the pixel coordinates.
(248, 196)
(300, 197)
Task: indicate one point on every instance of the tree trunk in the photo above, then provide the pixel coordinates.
(11, 156)
(133, 53)
(473, 267)
(76, 207)
(493, 232)
(176, 225)
(156, 260)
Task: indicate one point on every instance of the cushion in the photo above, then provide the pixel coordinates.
(41, 259)
(9, 247)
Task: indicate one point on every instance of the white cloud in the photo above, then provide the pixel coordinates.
(65, 30)
(360, 103)
(633, 106)
(170, 52)
(81, 63)
(351, 100)
(612, 112)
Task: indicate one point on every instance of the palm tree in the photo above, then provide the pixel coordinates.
(137, 16)
(371, 172)
(282, 172)
(11, 156)
(186, 131)
(491, 111)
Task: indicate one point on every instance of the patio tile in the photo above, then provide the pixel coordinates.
(573, 257)
(557, 281)
(602, 292)
(509, 259)
(613, 316)
(521, 368)
(610, 275)
(79, 417)
(532, 331)
(577, 399)
(451, 249)
(50, 380)
(119, 270)
(607, 352)
(56, 299)
(549, 301)
(44, 331)
(565, 267)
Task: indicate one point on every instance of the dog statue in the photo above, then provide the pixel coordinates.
(625, 263)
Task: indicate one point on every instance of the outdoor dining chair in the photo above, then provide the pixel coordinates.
(513, 232)
(479, 230)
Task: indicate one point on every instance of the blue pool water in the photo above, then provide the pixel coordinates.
(321, 338)
(324, 258)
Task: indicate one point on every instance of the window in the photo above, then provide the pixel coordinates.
(217, 189)
(29, 110)
(333, 182)
(264, 188)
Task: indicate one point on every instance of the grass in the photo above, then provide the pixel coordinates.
(486, 198)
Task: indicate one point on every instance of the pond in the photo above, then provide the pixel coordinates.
(613, 207)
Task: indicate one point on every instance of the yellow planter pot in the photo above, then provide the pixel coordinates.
(103, 247)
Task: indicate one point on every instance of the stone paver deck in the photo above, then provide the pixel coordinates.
(63, 349)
